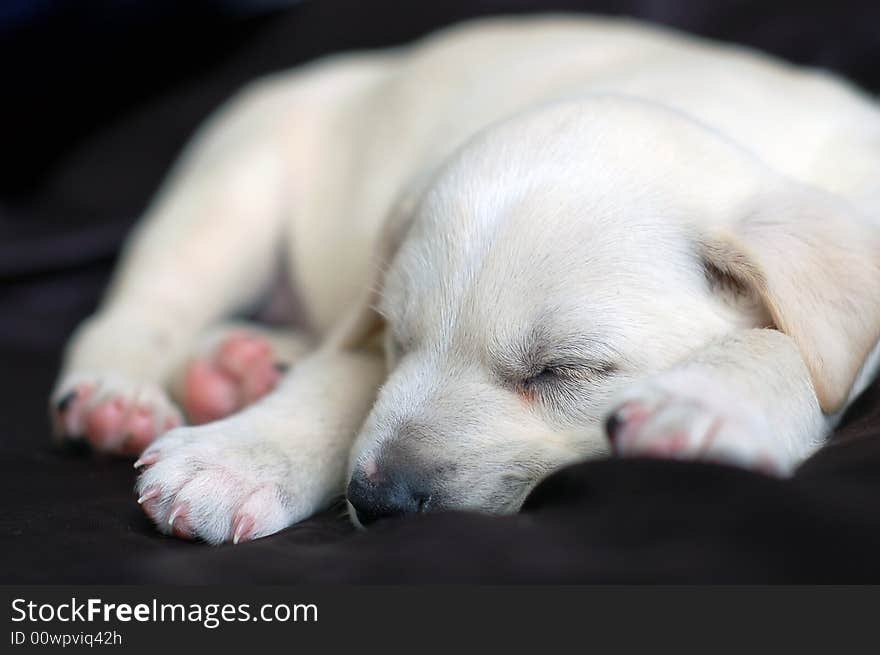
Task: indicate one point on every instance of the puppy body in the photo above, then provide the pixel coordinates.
(555, 218)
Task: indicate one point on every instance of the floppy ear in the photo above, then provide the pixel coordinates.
(363, 323)
(814, 263)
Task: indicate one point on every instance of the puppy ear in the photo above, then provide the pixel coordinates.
(814, 264)
(362, 324)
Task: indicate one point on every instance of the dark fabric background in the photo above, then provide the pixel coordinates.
(94, 107)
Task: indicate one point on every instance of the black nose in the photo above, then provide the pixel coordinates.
(392, 496)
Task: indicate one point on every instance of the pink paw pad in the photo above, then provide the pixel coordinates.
(105, 423)
(241, 370)
(140, 430)
(122, 427)
(116, 421)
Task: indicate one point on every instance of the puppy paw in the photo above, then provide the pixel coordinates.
(215, 485)
(112, 413)
(683, 419)
(234, 371)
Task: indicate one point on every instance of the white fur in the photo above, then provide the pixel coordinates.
(549, 184)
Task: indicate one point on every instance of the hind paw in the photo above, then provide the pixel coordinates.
(235, 372)
(111, 413)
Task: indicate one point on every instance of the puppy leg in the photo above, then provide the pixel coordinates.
(234, 365)
(746, 400)
(269, 466)
(205, 248)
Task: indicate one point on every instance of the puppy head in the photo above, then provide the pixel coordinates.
(555, 259)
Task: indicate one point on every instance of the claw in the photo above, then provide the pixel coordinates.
(242, 526)
(178, 509)
(147, 459)
(179, 524)
(149, 494)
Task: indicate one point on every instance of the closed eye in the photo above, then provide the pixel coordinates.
(566, 372)
(563, 388)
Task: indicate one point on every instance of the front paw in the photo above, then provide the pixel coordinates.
(111, 412)
(215, 484)
(690, 419)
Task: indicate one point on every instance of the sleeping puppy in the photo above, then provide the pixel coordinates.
(516, 244)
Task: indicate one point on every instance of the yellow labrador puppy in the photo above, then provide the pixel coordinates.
(570, 236)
